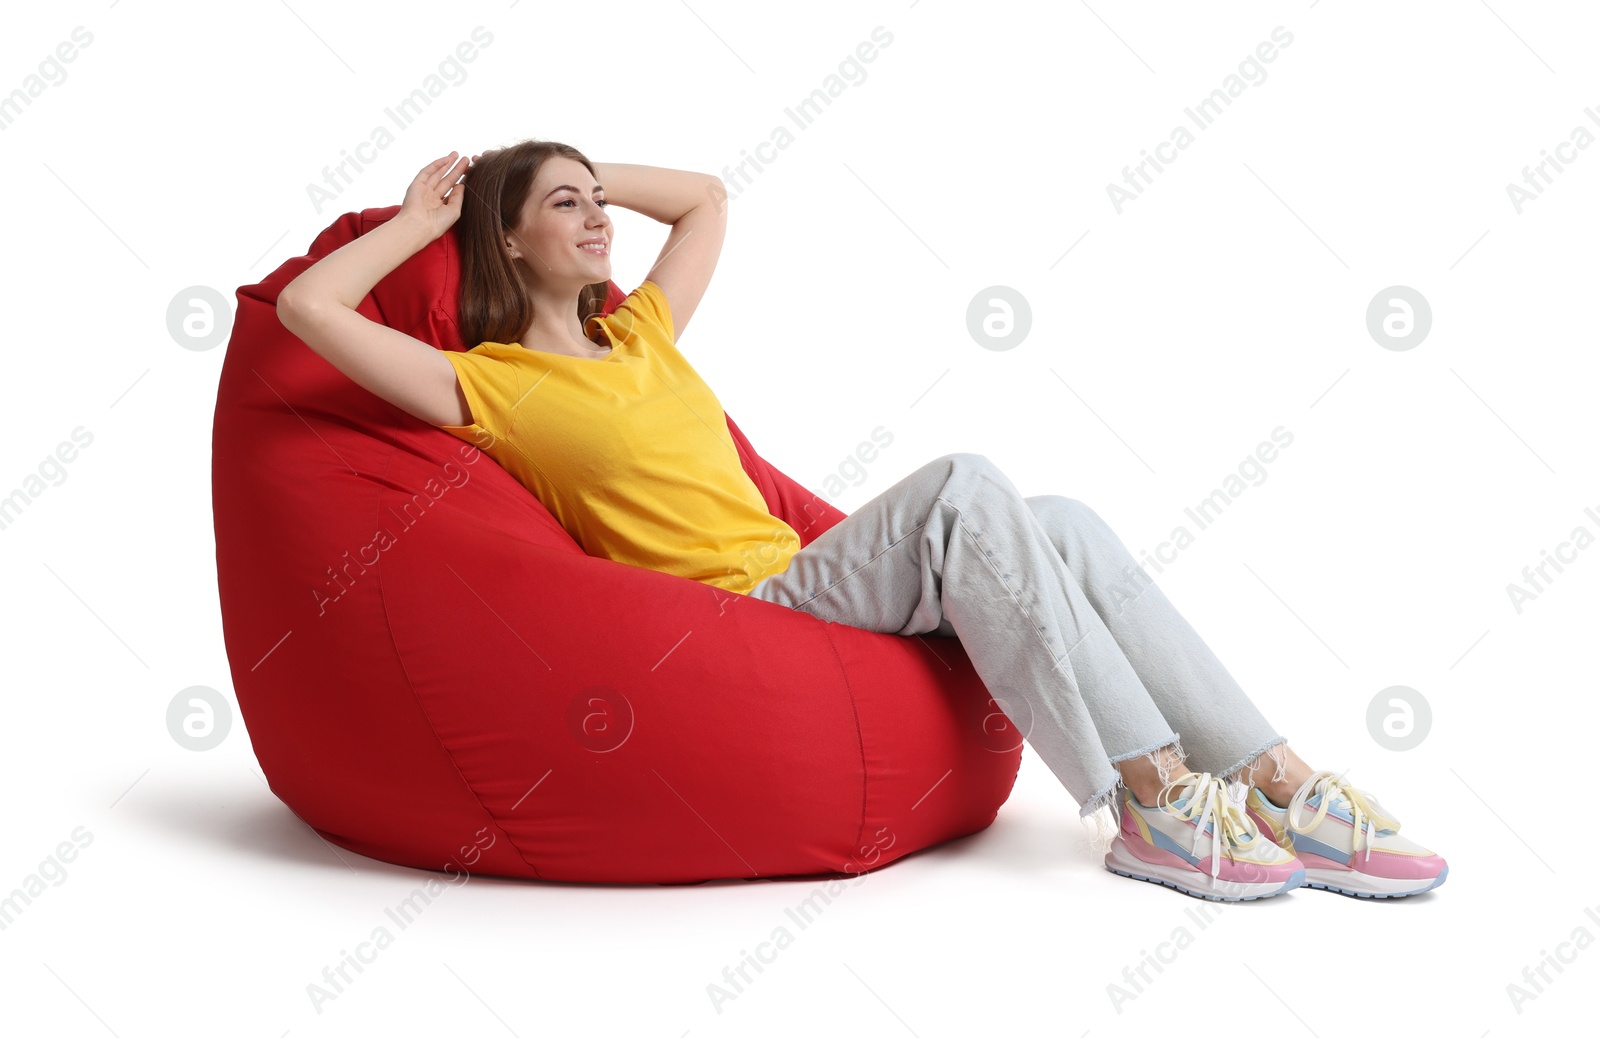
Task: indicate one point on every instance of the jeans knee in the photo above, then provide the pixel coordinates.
(968, 462)
(962, 474)
(1068, 511)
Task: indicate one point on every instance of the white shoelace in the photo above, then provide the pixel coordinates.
(1364, 810)
(1209, 802)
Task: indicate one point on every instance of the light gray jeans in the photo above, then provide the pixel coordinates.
(1073, 640)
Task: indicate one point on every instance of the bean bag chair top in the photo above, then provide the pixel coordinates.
(433, 674)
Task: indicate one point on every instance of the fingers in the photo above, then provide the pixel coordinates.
(429, 175)
(437, 168)
(458, 182)
(443, 175)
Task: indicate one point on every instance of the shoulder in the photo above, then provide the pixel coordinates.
(644, 310)
(488, 363)
(481, 352)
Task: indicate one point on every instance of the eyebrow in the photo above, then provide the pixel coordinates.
(568, 187)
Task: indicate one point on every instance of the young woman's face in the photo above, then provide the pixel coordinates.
(564, 234)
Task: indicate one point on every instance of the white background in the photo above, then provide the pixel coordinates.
(1165, 342)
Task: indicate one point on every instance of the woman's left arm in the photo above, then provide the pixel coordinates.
(696, 205)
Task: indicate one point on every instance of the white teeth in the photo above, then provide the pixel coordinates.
(593, 247)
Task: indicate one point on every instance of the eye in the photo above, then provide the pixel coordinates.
(572, 201)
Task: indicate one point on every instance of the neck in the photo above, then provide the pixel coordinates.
(555, 326)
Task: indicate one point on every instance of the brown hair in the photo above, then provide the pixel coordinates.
(494, 304)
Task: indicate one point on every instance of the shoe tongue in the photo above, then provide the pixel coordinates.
(1185, 791)
(1338, 803)
(1315, 801)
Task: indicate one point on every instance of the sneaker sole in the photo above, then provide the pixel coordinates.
(1370, 887)
(1124, 864)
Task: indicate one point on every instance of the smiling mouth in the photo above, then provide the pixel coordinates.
(598, 250)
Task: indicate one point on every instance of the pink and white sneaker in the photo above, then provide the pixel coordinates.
(1351, 845)
(1199, 841)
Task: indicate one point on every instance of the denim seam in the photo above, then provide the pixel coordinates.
(846, 576)
(1055, 661)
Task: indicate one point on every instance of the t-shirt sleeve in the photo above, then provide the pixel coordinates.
(648, 305)
(491, 390)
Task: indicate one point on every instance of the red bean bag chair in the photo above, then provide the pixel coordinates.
(433, 673)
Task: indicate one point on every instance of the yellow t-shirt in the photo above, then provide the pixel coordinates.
(630, 451)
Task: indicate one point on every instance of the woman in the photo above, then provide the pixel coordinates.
(607, 423)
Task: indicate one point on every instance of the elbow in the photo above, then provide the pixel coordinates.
(288, 304)
(294, 304)
(716, 195)
(297, 315)
(289, 312)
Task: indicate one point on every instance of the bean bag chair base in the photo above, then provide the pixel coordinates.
(433, 674)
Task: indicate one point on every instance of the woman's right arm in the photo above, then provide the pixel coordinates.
(318, 307)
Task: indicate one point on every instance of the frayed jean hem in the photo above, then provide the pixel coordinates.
(1232, 774)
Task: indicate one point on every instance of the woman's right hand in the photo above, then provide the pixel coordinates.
(434, 197)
